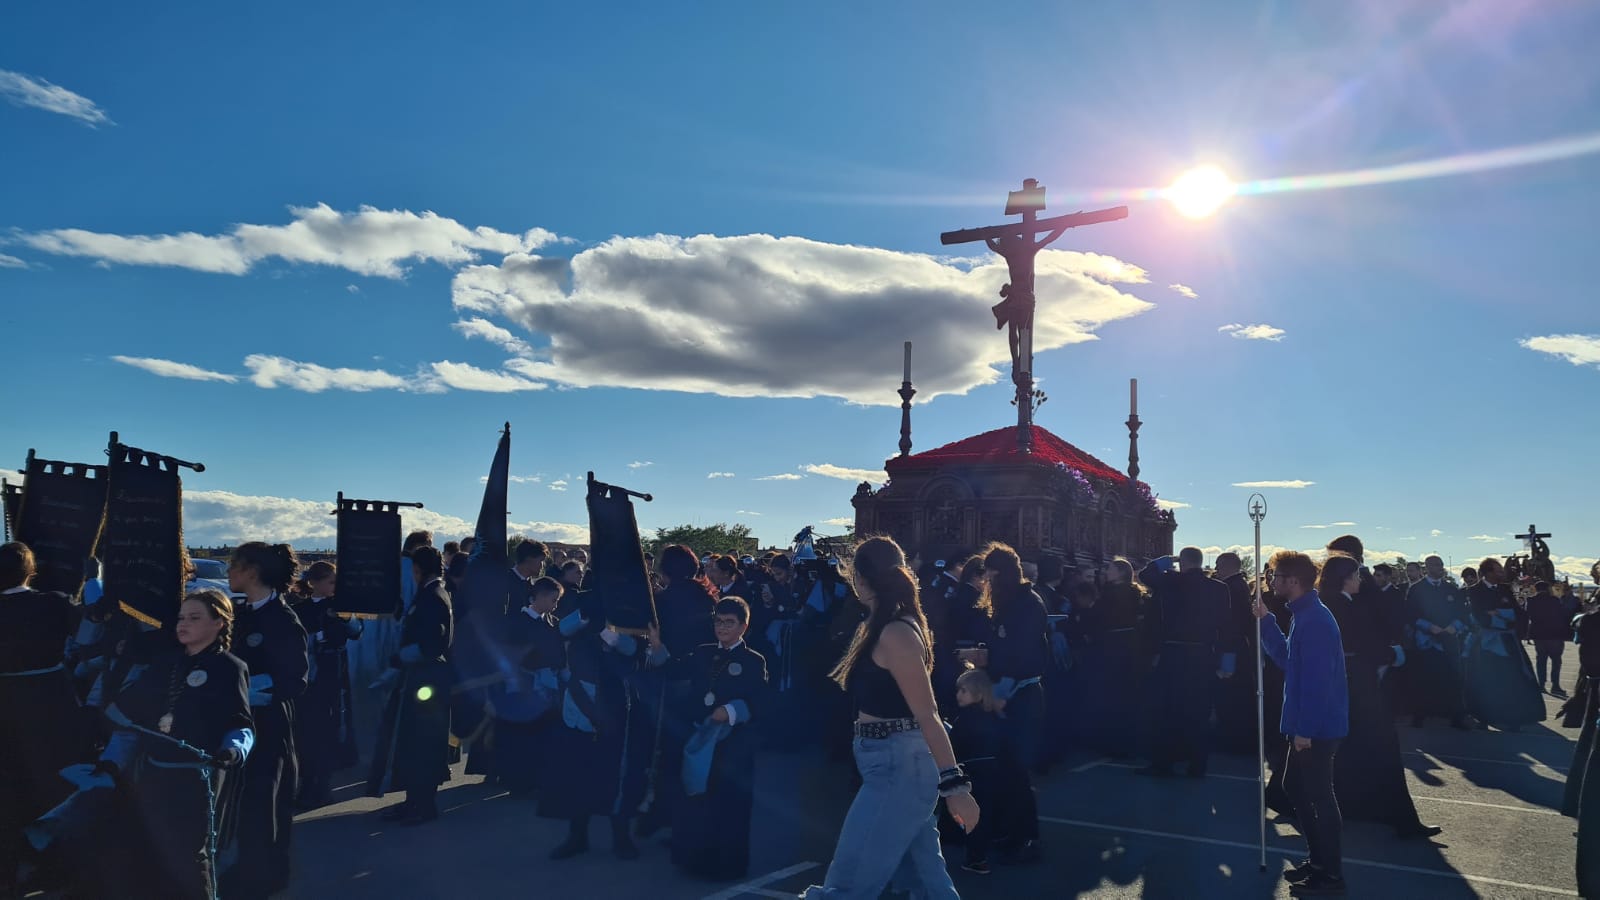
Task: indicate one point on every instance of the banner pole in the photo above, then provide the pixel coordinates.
(1258, 511)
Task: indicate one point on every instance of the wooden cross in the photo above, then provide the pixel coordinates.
(1533, 536)
(1016, 241)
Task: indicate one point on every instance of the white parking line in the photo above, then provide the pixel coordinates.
(1535, 810)
(1295, 851)
(1102, 761)
(758, 885)
(1521, 763)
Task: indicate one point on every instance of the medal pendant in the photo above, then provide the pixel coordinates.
(165, 724)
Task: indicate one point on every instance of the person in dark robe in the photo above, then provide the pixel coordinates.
(684, 608)
(1549, 627)
(1502, 689)
(271, 642)
(1440, 632)
(1236, 689)
(39, 713)
(527, 700)
(1584, 707)
(413, 748)
(728, 580)
(1075, 702)
(1019, 652)
(1369, 776)
(1194, 614)
(711, 830)
(603, 745)
(1397, 621)
(1000, 784)
(478, 657)
(1122, 671)
(196, 693)
(324, 718)
(958, 623)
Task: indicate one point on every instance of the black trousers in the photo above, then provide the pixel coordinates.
(1308, 779)
(1186, 677)
(1025, 715)
(265, 818)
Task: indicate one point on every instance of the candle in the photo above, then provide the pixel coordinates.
(907, 378)
(1133, 396)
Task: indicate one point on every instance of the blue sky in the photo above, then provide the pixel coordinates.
(695, 237)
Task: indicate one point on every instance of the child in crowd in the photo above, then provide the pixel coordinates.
(1000, 781)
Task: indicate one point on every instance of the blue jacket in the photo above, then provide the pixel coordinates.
(1316, 700)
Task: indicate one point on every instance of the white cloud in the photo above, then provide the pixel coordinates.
(476, 327)
(352, 289)
(1184, 289)
(1171, 504)
(275, 371)
(1578, 349)
(213, 518)
(746, 512)
(640, 464)
(369, 241)
(166, 368)
(25, 90)
(1290, 485)
(1343, 524)
(1253, 332)
(12, 475)
(465, 377)
(560, 484)
(719, 474)
(841, 521)
(756, 315)
(1490, 538)
(1316, 526)
(829, 470)
(786, 476)
(11, 262)
(1435, 533)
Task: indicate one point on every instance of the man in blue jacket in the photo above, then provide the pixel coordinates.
(1316, 716)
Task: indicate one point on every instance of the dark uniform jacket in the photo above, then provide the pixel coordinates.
(272, 643)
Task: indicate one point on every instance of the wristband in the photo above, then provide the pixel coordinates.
(954, 771)
(954, 789)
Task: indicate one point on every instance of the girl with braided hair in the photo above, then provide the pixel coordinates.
(195, 693)
(270, 640)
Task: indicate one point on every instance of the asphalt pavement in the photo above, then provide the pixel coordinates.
(1107, 832)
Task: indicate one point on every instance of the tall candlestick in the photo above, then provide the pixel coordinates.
(908, 362)
(1133, 396)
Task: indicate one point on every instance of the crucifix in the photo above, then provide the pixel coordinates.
(1019, 243)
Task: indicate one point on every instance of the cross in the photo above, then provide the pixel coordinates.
(1533, 536)
(1016, 241)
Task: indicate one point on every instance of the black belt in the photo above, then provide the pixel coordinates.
(884, 728)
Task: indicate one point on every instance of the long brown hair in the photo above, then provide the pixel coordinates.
(1006, 584)
(880, 564)
(220, 607)
(274, 563)
(1339, 567)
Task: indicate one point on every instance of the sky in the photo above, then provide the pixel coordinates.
(332, 247)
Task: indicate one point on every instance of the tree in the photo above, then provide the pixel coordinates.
(703, 539)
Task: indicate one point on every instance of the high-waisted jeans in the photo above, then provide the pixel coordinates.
(891, 833)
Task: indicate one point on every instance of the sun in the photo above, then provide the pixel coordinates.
(1200, 191)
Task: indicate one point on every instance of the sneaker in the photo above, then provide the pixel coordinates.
(1417, 830)
(1299, 871)
(1318, 884)
(1558, 692)
(977, 867)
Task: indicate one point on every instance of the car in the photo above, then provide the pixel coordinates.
(210, 574)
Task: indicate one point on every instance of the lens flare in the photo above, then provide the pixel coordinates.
(1200, 192)
(424, 693)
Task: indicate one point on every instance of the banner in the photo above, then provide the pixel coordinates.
(484, 586)
(59, 514)
(368, 551)
(616, 558)
(141, 549)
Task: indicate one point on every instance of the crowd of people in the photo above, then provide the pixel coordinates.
(952, 683)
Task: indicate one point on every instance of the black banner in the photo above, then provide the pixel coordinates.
(141, 550)
(616, 558)
(368, 549)
(58, 515)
